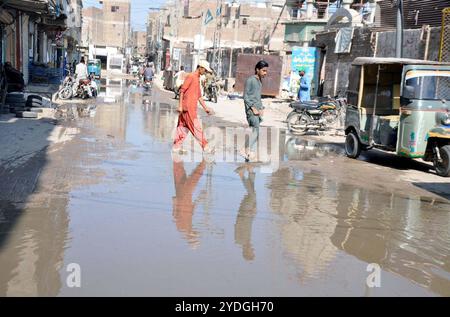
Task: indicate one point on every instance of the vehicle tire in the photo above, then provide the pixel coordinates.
(443, 168)
(65, 93)
(33, 104)
(34, 98)
(16, 104)
(214, 97)
(352, 145)
(26, 114)
(298, 122)
(15, 100)
(15, 97)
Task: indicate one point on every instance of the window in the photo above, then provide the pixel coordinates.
(244, 21)
(428, 85)
(115, 9)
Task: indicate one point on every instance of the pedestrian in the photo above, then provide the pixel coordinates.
(190, 96)
(254, 108)
(304, 93)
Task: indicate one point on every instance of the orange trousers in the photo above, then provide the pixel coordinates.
(188, 122)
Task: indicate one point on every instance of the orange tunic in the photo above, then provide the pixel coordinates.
(192, 93)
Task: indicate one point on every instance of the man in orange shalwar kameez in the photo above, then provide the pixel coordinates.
(190, 95)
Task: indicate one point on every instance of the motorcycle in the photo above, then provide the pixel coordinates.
(84, 88)
(315, 114)
(212, 91)
(148, 83)
(66, 89)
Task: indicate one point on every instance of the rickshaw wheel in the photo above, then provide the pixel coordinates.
(352, 145)
(443, 167)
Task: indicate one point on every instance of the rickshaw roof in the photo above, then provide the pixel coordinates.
(392, 60)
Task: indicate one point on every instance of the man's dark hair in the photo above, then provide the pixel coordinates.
(261, 64)
(181, 67)
(82, 60)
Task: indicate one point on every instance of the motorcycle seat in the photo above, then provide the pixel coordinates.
(307, 105)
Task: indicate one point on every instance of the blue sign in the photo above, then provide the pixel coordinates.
(209, 17)
(303, 58)
(218, 11)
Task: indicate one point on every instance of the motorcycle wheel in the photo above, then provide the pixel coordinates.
(65, 93)
(298, 122)
(214, 97)
(330, 117)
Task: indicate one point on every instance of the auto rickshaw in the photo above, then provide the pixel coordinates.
(95, 68)
(402, 106)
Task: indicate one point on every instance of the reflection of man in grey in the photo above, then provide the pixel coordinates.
(246, 213)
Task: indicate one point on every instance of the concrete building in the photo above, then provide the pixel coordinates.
(421, 39)
(41, 31)
(250, 26)
(139, 43)
(108, 25)
(92, 28)
(116, 22)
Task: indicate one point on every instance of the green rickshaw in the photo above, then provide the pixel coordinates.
(402, 106)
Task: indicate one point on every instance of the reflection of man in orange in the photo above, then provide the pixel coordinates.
(190, 96)
(183, 207)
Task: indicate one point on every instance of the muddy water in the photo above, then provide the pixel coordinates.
(137, 222)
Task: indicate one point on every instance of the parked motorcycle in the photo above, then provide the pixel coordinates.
(212, 91)
(84, 88)
(315, 114)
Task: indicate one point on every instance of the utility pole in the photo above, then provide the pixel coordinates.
(217, 56)
(399, 29)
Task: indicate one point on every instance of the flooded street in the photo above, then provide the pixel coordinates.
(112, 200)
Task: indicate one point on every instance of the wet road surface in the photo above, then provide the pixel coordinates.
(138, 223)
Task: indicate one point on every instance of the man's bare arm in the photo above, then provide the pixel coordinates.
(203, 104)
(180, 104)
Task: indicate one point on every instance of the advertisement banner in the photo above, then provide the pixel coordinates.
(303, 58)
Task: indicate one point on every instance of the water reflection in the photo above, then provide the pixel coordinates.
(183, 204)
(322, 217)
(246, 213)
(406, 236)
(303, 200)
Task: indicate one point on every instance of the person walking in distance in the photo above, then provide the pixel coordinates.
(254, 109)
(190, 96)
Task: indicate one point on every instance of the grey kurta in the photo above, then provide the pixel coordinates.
(252, 98)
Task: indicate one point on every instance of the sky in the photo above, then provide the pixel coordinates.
(139, 11)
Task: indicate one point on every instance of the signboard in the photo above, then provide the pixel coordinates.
(218, 11)
(303, 58)
(209, 17)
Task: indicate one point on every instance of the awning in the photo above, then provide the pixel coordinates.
(36, 6)
(49, 24)
(6, 17)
